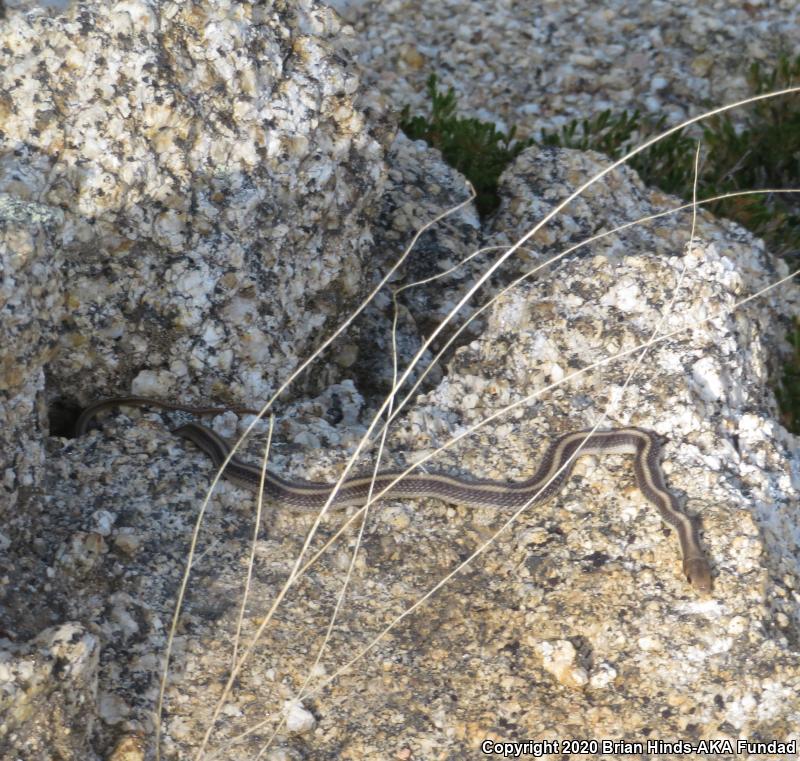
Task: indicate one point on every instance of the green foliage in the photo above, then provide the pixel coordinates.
(759, 151)
(476, 149)
(764, 152)
(664, 164)
(605, 132)
(788, 388)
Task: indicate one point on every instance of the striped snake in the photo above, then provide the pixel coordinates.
(543, 485)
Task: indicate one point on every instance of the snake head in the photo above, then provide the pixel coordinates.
(698, 573)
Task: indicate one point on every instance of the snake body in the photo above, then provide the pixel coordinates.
(553, 471)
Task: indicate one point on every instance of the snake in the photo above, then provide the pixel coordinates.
(552, 472)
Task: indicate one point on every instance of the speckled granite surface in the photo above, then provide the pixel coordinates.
(576, 622)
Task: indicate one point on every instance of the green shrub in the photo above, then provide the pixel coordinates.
(764, 152)
(476, 149)
(787, 389)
